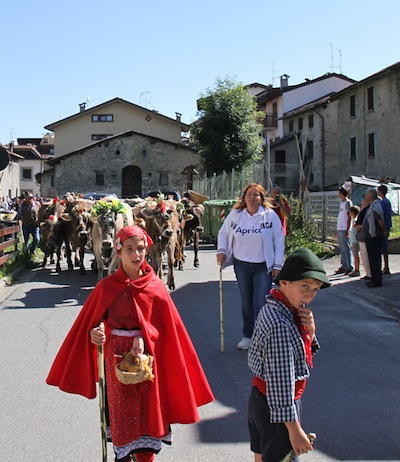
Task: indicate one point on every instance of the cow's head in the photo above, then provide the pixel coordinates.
(106, 221)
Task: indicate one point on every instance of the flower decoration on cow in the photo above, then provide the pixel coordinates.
(104, 206)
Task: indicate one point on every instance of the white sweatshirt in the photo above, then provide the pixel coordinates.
(253, 238)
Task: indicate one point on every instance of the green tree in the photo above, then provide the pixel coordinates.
(228, 128)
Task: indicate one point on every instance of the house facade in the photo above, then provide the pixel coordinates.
(109, 119)
(10, 175)
(300, 132)
(368, 124)
(127, 164)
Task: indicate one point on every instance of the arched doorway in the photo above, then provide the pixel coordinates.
(131, 181)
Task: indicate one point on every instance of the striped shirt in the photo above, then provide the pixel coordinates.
(277, 355)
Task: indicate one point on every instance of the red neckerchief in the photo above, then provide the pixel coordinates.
(276, 294)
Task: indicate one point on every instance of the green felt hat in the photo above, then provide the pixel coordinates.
(303, 264)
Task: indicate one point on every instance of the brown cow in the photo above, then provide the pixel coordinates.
(105, 227)
(162, 224)
(191, 229)
(56, 234)
(49, 215)
(79, 224)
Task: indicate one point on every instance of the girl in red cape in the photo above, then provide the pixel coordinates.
(131, 310)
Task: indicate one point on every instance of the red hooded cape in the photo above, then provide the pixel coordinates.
(180, 385)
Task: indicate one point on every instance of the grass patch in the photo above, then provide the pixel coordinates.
(23, 260)
(395, 231)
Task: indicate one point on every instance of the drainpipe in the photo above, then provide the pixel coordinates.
(323, 147)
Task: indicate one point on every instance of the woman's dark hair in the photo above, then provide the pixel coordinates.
(265, 201)
(343, 191)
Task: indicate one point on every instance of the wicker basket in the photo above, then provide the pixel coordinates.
(131, 378)
(197, 198)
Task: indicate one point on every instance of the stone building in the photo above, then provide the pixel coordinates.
(127, 164)
(369, 118)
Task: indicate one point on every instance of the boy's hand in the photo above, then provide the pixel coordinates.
(298, 438)
(307, 319)
(97, 335)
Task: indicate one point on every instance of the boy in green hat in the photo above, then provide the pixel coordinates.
(280, 357)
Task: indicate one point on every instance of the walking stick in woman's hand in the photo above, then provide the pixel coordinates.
(221, 309)
(102, 401)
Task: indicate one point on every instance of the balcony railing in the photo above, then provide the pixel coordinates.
(270, 121)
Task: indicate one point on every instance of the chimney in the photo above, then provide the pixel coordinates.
(284, 80)
(178, 116)
(11, 146)
(82, 107)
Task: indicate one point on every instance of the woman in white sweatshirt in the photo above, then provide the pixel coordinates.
(251, 238)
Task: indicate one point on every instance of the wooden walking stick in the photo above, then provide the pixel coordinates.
(102, 401)
(221, 310)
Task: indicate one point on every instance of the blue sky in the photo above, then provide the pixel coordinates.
(164, 54)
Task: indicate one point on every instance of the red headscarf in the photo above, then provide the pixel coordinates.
(130, 231)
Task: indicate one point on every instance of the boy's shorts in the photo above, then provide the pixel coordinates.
(266, 438)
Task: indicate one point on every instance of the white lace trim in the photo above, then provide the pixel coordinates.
(145, 442)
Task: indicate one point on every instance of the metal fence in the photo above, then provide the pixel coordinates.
(230, 185)
(322, 208)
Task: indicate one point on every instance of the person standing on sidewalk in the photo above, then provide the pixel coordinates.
(355, 245)
(374, 230)
(251, 237)
(361, 239)
(387, 218)
(343, 230)
(28, 214)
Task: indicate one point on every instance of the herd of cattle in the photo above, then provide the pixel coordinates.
(75, 224)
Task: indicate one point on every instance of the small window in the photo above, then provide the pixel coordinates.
(163, 179)
(52, 181)
(353, 148)
(370, 98)
(310, 149)
(291, 127)
(311, 121)
(352, 105)
(102, 118)
(371, 144)
(27, 173)
(301, 123)
(99, 178)
(97, 137)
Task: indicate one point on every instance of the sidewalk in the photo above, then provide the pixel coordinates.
(386, 297)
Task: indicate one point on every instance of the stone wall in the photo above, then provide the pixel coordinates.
(157, 160)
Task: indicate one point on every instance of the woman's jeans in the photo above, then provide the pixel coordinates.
(254, 284)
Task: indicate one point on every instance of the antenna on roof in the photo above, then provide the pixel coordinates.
(144, 95)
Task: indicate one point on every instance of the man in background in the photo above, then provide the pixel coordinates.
(387, 218)
(28, 214)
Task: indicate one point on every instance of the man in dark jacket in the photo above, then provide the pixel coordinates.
(28, 213)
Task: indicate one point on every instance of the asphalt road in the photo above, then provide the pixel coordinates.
(351, 401)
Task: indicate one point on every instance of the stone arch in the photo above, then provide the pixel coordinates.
(131, 181)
